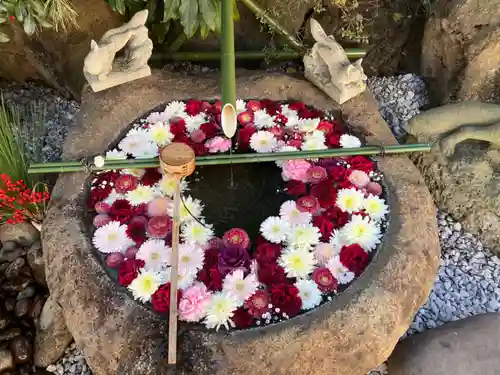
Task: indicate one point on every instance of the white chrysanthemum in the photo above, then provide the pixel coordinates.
(350, 200)
(191, 257)
(339, 271)
(115, 155)
(137, 172)
(220, 310)
(362, 231)
(263, 141)
(148, 151)
(174, 109)
(308, 125)
(290, 213)
(144, 285)
(284, 148)
(135, 142)
(349, 141)
(192, 208)
(193, 123)
(297, 263)
(323, 252)
(111, 238)
(375, 207)
(194, 233)
(314, 141)
(141, 194)
(304, 236)
(241, 106)
(337, 241)
(240, 287)
(161, 134)
(185, 277)
(113, 197)
(155, 254)
(291, 115)
(167, 185)
(275, 229)
(263, 120)
(309, 294)
(155, 117)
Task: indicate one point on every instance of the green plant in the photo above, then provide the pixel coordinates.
(353, 22)
(35, 14)
(192, 15)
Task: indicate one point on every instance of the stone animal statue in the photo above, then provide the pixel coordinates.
(451, 124)
(328, 67)
(103, 69)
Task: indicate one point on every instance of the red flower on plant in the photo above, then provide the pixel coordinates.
(161, 298)
(129, 270)
(354, 258)
(242, 319)
(237, 237)
(286, 298)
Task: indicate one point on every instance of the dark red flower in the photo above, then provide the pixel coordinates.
(338, 217)
(121, 210)
(244, 135)
(308, 203)
(137, 231)
(178, 126)
(325, 226)
(361, 162)
(161, 298)
(277, 131)
(237, 237)
(354, 258)
(258, 304)
(297, 106)
(182, 138)
(267, 253)
(333, 140)
(98, 194)
(325, 193)
(217, 107)
(199, 149)
(324, 279)
(311, 113)
(151, 177)
(210, 129)
(286, 298)
(232, 258)
(337, 172)
(129, 270)
(211, 277)
(193, 107)
(125, 183)
(297, 143)
(270, 273)
(272, 107)
(242, 319)
(294, 187)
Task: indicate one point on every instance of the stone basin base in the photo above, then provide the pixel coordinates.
(349, 336)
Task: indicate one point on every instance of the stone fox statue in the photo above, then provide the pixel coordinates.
(454, 123)
(328, 67)
(133, 36)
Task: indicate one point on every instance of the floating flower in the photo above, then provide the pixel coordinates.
(237, 237)
(285, 148)
(375, 207)
(258, 304)
(308, 203)
(113, 260)
(125, 183)
(136, 229)
(220, 310)
(135, 143)
(291, 115)
(354, 258)
(295, 170)
(190, 209)
(241, 106)
(161, 298)
(193, 232)
(297, 263)
(111, 238)
(115, 155)
(185, 276)
(350, 200)
(362, 231)
(304, 236)
(323, 252)
(240, 287)
(316, 174)
(131, 252)
(159, 206)
(242, 318)
(309, 294)
(174, 109)
(159, 226)
(113, 197)
(101, 220)
(359, 178)
(194, 302)
(144, 285)
(194, 123)
(339, 271)
(245, 117)
(275, 229)
(337, 241)
(349, 141)
(102, 208)
(232, 258)
(314, 141)
(167, 185)
(155, 254)
(263, 141)
(191, 257)
(142, 194)
(325, 280)
(308, 125)
(161, 134)
(374, 188)
(263, 120)
(291, 214)
(285, 299)
(198, 136)
(218, 144)
(128, 271)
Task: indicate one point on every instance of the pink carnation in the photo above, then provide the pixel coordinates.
(218, 144)
(194, 303)
(295, 170)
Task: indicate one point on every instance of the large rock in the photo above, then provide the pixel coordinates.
(349, 336)
(465, 347)
(461, 50)
(23, 234)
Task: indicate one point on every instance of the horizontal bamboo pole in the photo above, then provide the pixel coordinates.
(77, 166)
(352, 53)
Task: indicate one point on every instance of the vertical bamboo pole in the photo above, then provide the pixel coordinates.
(228, 68)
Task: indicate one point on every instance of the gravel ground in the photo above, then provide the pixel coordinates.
(465, 284)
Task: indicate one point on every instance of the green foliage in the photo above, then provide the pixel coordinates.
(36, 14)
(192, 15)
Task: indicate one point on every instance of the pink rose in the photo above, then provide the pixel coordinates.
(193, 304)
(295, 170)
(359, 178)
(218, 144)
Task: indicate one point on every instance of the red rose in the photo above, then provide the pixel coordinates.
(354, 258)
(325, 226)
(271, 273)
(161, 298)
(241, 318)
(308, 203)
(151, 177)
(121, 210)
(267, 252)
(129, 270)
(325, 193)
(361, 163)
(295, 187)
(244, 135)
(193, 107)
(210, 129)
(338, 217)
(286, 298)
(178, 126)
